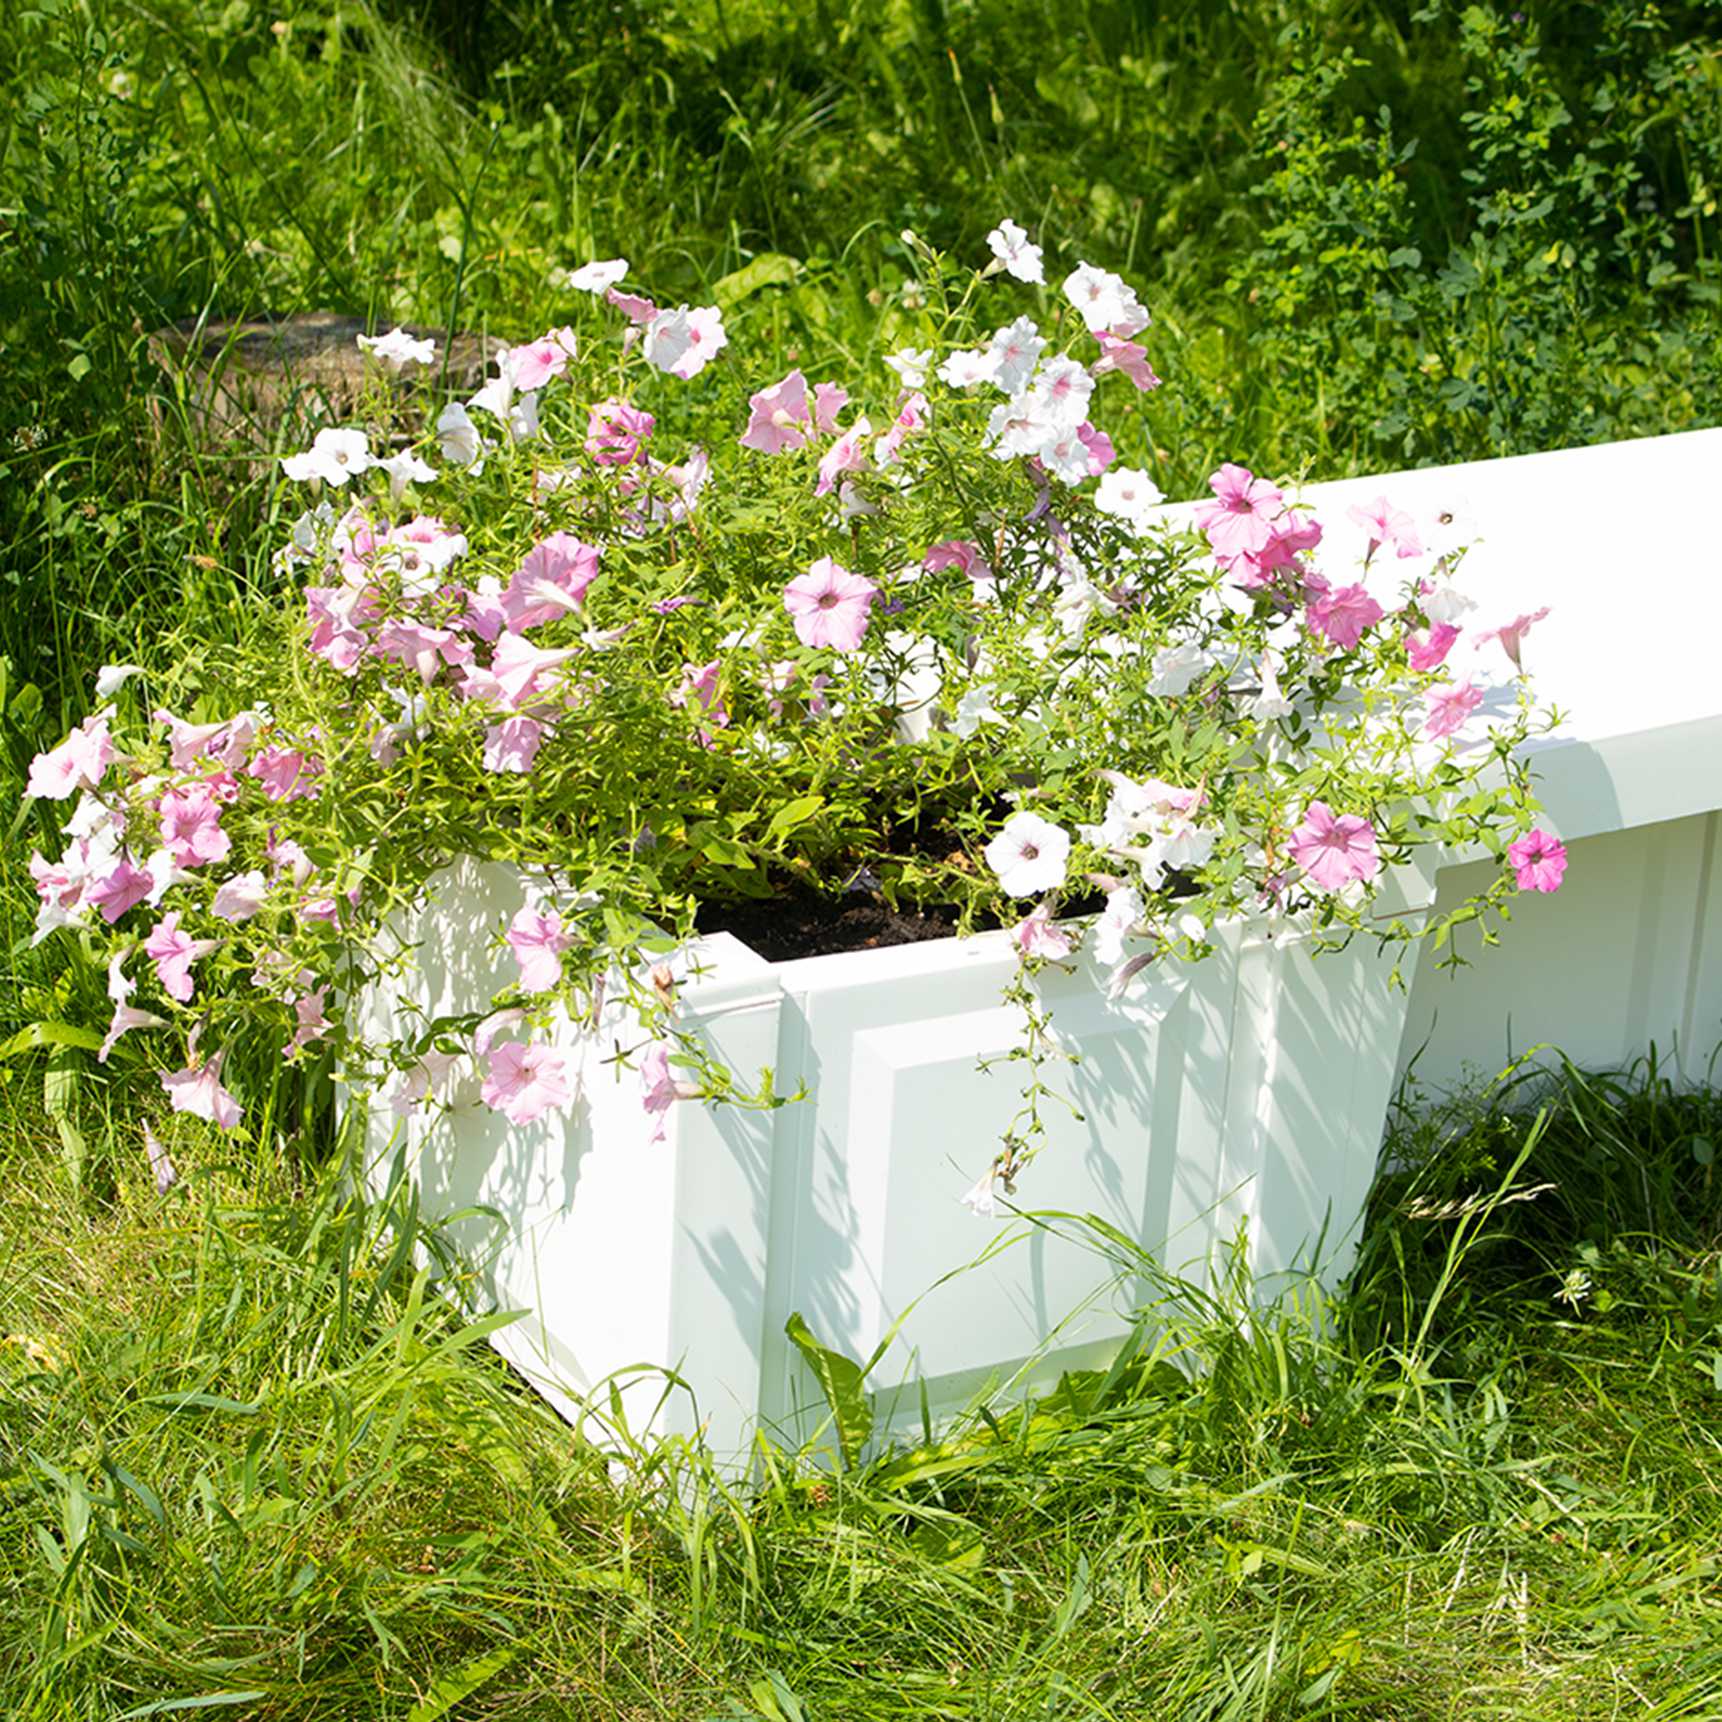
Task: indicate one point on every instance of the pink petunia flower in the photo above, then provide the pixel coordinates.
(1539, 861)
(847, 454)
(239, 898)
(778, 418)
(1513, 634)
(513, 744)
(191, 825)
(829, 605)
(550, 582)
(1333, 850)
(1344, 616)
(1388, 525)
(829, 399)
(122, 887)
(1449, 707)
(957, 553)
(525, 1082)
(197, 1089)
(538, 941)
(173, 952)
(699, 689)
(1035, 935)
(1128, 358)
(77, 763)
(1237, 522)
(286, 773)
(532, 366)
(312, 1023)
(1429, 651)
(617, 431)
(659, 1089)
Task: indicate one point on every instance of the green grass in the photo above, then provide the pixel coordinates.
(243, 1452)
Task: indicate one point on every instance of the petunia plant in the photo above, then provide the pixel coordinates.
(915, 635)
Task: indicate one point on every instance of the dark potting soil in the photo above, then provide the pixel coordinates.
(799, 925)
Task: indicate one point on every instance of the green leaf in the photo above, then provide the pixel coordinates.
(50, 1034)
(200, 1402)
(209, 1701)
(79, 368)
(1703, 1150)
(840, 1380)
(791, 814)
(447, 1690)
(768, 269)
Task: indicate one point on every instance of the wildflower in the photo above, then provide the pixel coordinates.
(530, 367)
(957, 553)
(1538, 860)
(596, 277)
(1344, 616)
(1013, 253)
(829, 605)
(1128, 494)
(1512, 635)
(1388, 525)
(79, 762)
(1334, 849)
(191, 825)
(844, 455)
(1127, 358)
(778, 417)
(538, 941)
(1449, 707)
(398, 349)
(1237, 522)
(551, 581)
(1029, 855)
(334, 456)
(828, 401)
(173, 952)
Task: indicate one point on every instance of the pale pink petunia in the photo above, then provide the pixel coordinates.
(161, 1165)
(1334, 849)
(173, 951)
(957, 553)
(532, 366)
(1345, 615)
(1428, 651)
(1539, 861)
(79, 762)
(659, 1089)
(1238, 521)
(617, 432)
(1289, 535)
(1015, 253)
(1449, 707)
(683, 342)
(699, 688)
(190, 742)
(538, 941)
(778, 417)
(638, 310)
(1101, 453)
(520, 671)
(551, 581)
(829, 605)
(847, 454)
(912, 416)
(1128, 358)
(1036, 935)
(312, 1024)
(829, 399)
(121, 888)
(1512, 635)
(1388, 525)
(512, 745)
(125, 1018)
(197, 1089)
(418, 647)
(523, 1083)
(191, 825)
(286, 773)
(239, 898)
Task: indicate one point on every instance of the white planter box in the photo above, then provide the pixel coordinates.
(1244, 1090)
(1252, 1087)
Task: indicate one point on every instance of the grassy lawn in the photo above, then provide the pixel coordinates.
(247, 1461)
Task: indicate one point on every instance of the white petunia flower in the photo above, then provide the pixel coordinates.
(1029, 855)
(1177, 667)
(398, 349)
(1121, 917)
(403, 469)
(1017, 349)
(968, 366)
(911, 365)
(591, 277)
(458, 437)
(1015, 254)
(1128, 494)
(334, 456)
(1105, 303)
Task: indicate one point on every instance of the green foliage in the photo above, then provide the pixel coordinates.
(245, 1448)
